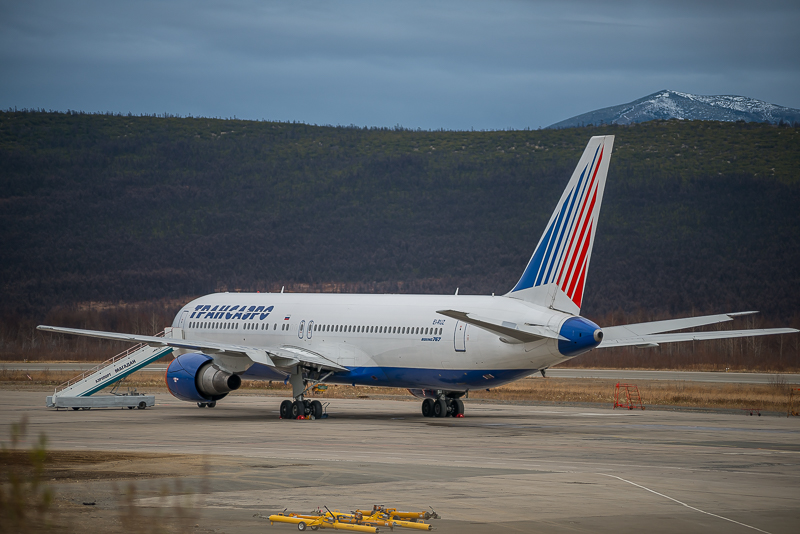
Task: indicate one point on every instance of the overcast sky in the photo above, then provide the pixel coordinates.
(430, 64)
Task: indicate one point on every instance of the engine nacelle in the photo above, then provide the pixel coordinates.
(193, 377)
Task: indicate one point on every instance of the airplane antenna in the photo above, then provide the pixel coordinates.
(456, 291)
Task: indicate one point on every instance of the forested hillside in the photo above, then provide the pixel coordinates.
(697, 216)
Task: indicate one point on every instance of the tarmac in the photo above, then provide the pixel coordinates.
(509, 467)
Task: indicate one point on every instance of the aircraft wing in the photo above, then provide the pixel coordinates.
(520, 333)
(652, 333)
(280, 357)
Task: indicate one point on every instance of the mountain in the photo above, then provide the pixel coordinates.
(665, 105)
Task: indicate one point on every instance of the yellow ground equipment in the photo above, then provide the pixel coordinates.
(400, 519)
(394, 513)
(358, 521)
(322, 521)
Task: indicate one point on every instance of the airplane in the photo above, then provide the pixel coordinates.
(438, 347)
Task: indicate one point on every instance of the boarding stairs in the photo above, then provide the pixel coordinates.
(73, 392)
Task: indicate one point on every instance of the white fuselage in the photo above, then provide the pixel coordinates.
(385, 340)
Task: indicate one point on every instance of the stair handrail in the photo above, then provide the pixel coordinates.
(74, 380)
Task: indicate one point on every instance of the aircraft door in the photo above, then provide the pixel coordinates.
(310, 331)
(301, 329)
(460, 337)
(183, 319)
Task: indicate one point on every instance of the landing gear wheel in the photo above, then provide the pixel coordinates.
(286, 409)
(457, 408)
(211, 404)
(427, 407)
(440, 408)
(142, 405)
(316, 412)
(301, 526)
(314, 528)
(298, 409)
(201, 404)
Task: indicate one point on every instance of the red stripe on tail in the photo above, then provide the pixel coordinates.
(577, 221)
(583, 239)
(581, 268)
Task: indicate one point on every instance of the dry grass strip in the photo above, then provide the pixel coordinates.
(773, 396)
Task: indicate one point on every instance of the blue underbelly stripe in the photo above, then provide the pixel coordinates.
(404, 377)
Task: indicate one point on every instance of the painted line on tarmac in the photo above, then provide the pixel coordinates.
(683, 503)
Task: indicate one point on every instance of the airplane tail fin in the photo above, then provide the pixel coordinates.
(556, 272)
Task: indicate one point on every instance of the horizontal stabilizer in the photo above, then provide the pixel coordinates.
(611, 333)
(652, 340)
(524, 333)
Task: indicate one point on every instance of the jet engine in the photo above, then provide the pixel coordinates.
(194, 377)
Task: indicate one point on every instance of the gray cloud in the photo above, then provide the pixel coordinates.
(450, 64)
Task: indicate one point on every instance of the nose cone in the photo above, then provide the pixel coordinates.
(582, 336)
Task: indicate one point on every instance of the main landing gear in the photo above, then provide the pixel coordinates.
(301, 407)
(305, 408)
(443, 407)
